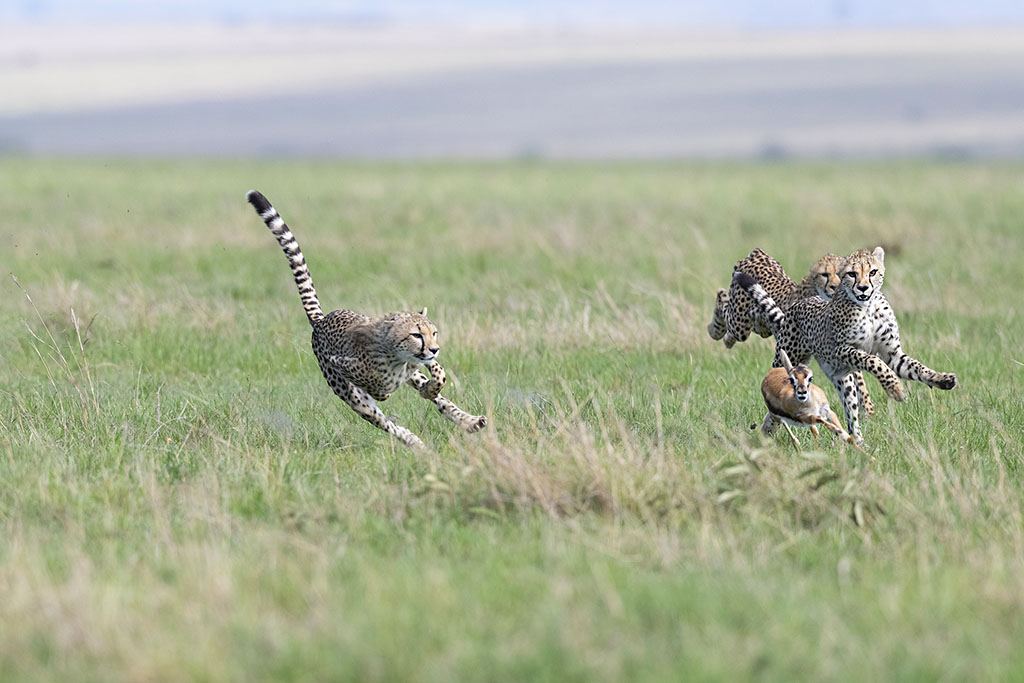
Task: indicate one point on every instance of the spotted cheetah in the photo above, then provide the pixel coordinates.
(735, 314)
(366, 359)
(855, 330)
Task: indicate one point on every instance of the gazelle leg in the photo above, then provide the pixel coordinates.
(796, 442)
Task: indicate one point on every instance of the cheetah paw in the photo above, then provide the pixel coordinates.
(896, 392)
(476, 424)
(946, 381)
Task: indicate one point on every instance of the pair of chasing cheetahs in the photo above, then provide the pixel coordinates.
(837, 314)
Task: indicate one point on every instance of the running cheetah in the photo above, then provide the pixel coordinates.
(736, 315)
(855, 330)
(367, 359)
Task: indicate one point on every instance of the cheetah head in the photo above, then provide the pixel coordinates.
(824, 275)
(862, 275)
(413, 336)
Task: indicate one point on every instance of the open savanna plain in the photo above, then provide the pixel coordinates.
(182, 496)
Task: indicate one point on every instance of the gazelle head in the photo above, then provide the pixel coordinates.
(799, 376)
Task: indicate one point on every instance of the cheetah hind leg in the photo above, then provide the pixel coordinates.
(367, 408)
(426, 388)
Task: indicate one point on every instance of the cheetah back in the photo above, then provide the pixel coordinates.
(740, 317)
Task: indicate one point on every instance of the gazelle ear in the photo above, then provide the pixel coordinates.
(784, 357)
(423, 311)
(879, 253)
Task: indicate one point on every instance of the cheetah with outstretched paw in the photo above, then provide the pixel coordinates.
(856, 330)
(366, 359)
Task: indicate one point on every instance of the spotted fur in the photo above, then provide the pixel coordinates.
(856, 330)
(733, 318)
(735, 314)
(366, 359)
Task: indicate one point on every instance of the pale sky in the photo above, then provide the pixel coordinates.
(722, 13)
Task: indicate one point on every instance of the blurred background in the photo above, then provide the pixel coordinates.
(560, 79)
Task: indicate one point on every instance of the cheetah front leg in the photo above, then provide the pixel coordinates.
(438, 378)
(799, 354)
(862, 391)
(367, 408)
(846, 387)
(717, 327)
(430, 389)
(859, 359)
(909, 368)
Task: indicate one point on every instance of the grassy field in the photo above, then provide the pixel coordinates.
(181, 496)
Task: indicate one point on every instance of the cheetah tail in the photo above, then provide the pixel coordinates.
(765, 303)
(296, 260)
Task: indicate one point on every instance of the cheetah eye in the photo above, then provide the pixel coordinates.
(416, 335)
(874, 271)
(851, 274)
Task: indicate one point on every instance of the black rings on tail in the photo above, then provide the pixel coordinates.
(296, 260)
(765, 303)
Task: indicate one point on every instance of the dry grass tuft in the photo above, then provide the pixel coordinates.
(63, 369)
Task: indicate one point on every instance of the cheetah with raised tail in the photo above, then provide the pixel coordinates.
(856, 330)
(367, 359)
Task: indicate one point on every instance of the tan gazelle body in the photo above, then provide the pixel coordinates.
(792, 400)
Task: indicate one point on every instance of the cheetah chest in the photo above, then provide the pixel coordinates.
(378, 377)
(382, 384)
(869, 328)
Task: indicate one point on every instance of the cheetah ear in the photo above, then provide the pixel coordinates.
(879, 253)
(423, 311)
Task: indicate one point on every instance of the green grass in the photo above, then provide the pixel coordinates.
(181, 496)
